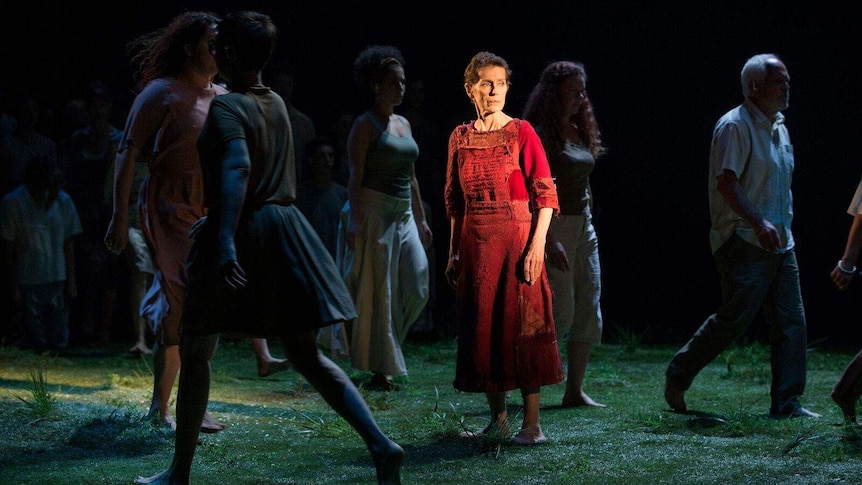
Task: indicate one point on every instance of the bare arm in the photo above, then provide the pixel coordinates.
(419, 212)
(117, 235)
(554, 247)
(236, 166)
(456, 223)
(358, 142)
(730, 188)
(534, 259)
(851, 255)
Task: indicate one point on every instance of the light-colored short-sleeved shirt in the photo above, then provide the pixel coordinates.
(759, 152)
(39, 235)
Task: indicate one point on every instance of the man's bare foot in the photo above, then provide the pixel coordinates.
(270, 366)
(140, 348)
(210, 425)
(675, 397)
(802, 412)
(388, 464)
(572, 400)
(848, 409)
(162, 478)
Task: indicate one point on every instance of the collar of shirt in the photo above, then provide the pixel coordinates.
(759, 118)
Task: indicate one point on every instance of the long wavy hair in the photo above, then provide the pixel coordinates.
(160, 53)
(544, 109)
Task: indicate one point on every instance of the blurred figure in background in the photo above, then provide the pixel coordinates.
(384, 233)
(86, 159)
(38, 222)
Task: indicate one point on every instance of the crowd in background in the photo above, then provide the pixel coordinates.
(82, 134)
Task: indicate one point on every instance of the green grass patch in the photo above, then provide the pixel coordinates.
(76, 418)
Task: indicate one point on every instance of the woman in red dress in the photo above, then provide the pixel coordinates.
(500, 198)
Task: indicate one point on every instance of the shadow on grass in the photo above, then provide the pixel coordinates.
(27, 385)
(116, 435)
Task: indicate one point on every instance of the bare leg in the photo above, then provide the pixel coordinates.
(848, 389)
(266, 363)
(192, 397)
(339, 392)
(138, 289)
(577, 357)
(675, 397)
(166, 365)
(499, 416)
(531, 432)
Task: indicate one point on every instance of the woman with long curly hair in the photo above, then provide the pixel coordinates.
(561, 111)
(175, 66)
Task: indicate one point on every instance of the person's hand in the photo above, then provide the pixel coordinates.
(234, 275)
(534, 262)
(557, 254)
(768, 236)
(453, 267)
(840, 278)
(117, 235)
(196, 227)
(425, 235)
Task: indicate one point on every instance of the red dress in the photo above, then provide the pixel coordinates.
(498, 180)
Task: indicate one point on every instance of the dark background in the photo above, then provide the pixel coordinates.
(660, 75)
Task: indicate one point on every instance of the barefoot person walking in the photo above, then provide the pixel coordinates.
(258, 267)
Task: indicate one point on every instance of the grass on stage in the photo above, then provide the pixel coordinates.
(76, 418)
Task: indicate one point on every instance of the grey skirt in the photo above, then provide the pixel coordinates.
(293, 283)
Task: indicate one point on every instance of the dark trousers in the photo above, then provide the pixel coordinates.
(753, 280)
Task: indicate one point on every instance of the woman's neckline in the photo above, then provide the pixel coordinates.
(473, 126)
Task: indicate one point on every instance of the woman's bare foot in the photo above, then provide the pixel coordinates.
(140, 348)
(156, 420)
(494, 427)
(529, 437)
(267, 367)
(210, 425)
(573, 399)
(848, 409)
(387, 462)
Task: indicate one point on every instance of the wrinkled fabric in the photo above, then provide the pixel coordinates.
(172, 194)
(506, 337)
